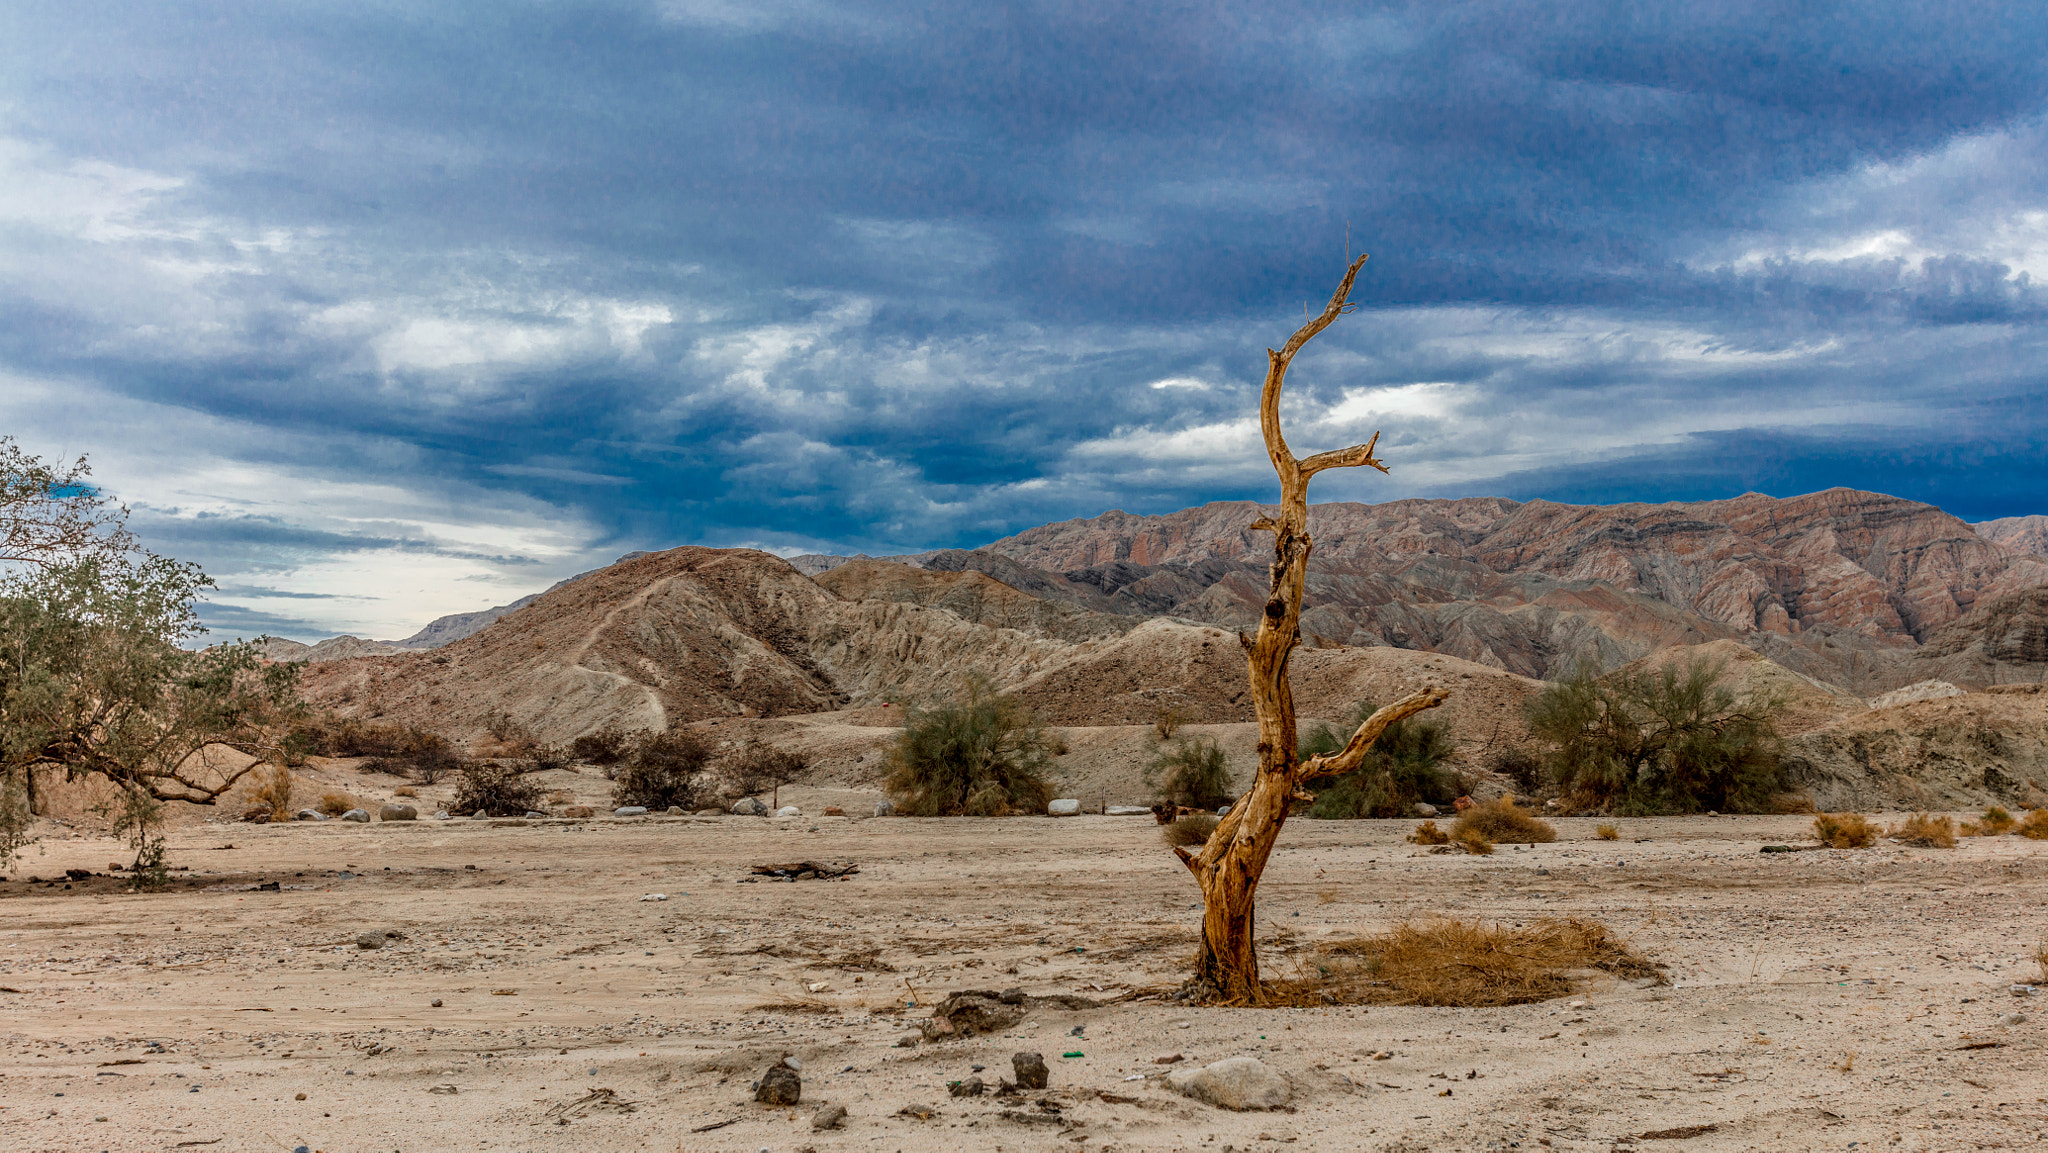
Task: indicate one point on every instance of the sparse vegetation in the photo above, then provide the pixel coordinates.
(1607, 832)
(664, 770)
(1464, 964)
(1927, 832)
(1472, 841)
(1402, 767)
(1660, 740)
(603, 747)
(1504, 822)
(2033, 826)
(1518, 765)
(274, 792)
(758, 767)
(335, 804)
(494, 788)
(402, 750)
(1844, 831)
(405, 791)
(1189, 831)
(1166, 722)
(1427, 833)
(1193, 773)
(1995, 822)
(979, 754)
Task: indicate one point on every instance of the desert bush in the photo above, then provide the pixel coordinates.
(757, 767)
(1520, 766)
(603, 747)
(1193, 774)
(1663, 740)
(979, 754)
(1464, 964)
(1166, 722)
(1504, 822)
(2033, 826)
(1189, 831)
(1844, 831)
(404, 750)
(1472, 841)
(1995, 822)
(546, 758)
(405, 791)
(561, 797)
(1427, 833)
(1402, 767)
(662, 770)
(495, 788)
(1928, 832)
(2041, 960)
(335, 804)
(274, 792)
(1607, 832)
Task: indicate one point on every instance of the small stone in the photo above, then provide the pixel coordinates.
(2016, 1019)
(436, 1003)
(1064, 807)
(793, 1063)
(1424, 809)
(1031, 1070)
(359, 816)
(749, 807)
(884, 809)
(710, 812)
(789, 811)
(630, 811)
(1238, 1083)
(972, 1087)
(830, 1117)
(310, 815)
(779, 1086)
(393, 811)
(675, 810)
(533, 815)
(1169, 1059)
(834, 811)
(443, 815)
(480, 815)
(370, 940)
(299, 1097)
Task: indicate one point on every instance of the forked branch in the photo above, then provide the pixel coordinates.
(1348, 758)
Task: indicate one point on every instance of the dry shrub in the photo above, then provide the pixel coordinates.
(1844, 831)
(1501, 821)
(274, 791)
(335, 804)
(603, 747)
(561, 797)
(1607, 832)
(1464, 964)
(1472, 841)
(1189, 831)
(1427, 833)
(405, 791)
(1166, 721)
(663, 770)
(496, 789)
(2034, 826)
(1928, 832)
(1996, 822)
(2041, 959)
(1790, 803)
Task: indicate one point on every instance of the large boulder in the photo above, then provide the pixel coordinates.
(393, 811)
(750, 807)
(1233, 1083)
(1064, 807)
(361, 816)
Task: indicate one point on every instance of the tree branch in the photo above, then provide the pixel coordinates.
(1352, 457)
(1353, 753)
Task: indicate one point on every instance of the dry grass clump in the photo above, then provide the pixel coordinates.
(1928, 832)
(1995, 822)
(1189, 831)
(2034, 826)
(1472, 841)
(1607, 832)
(1503, 822)
(2041, 959)
(1844, 831)
(1466, 964)
(335, 804)
(405, 791)
(274, 791)
(1427, 833)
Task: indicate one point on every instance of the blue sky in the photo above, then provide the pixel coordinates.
(381, 311)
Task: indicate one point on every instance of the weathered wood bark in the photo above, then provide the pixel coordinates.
(1230, 864)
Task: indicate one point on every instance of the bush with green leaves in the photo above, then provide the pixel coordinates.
(1191, 773)
(1403, 766)
(979, 754)
(1664, 740)
(663, 770)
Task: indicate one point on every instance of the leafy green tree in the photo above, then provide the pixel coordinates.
(979, 754)
(1403, 766)
(1672, 739)
(1193, 773)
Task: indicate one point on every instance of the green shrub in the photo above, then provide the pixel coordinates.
(662, 770)
(1664, 740)
(1192, 774)
(979, 754)
(1401, 768)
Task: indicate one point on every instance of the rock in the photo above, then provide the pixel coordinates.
(393, 811)
(370, 940)
(1064, 807)
(794, 1063)
(442, 815)
(310, 815)
(435, 1003)
(480, 815)
(750, 807)
(789, 811)
(1168, 1059)
(965, 1014)
(830, 1117)
(630, 811)
(532, 815)
(1031, 1070)
(779, 1086)
(1129, 811)
(1424, 809)
(360, 816)
(1238, 1083)
(1923, 691)
(710, 812)
(257, 814)
(884, 809)
(675, 810)
(972, 1087)
(834, 811)
(579, 811)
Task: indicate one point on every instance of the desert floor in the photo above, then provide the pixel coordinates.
(1817, 1000)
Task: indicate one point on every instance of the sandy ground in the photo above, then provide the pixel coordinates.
(531, 973)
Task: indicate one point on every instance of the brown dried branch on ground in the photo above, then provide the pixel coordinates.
(1228, 867)
(1464, 964)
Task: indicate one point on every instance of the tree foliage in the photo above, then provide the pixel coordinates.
(979, 754)
(1673, 739)
(1403, 766)
(1192, 773)
(663, 769)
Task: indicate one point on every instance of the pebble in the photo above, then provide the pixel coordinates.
(884, 809)
(779, 1086)
(829, 1117)
(370, 940)
(1031, 1070)
(789, 811)
(793, 1063)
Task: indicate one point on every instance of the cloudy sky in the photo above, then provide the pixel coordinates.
(386, 310)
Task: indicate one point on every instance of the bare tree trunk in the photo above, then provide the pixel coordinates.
(1230, 864)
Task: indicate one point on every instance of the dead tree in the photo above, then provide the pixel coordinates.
(1229, 865)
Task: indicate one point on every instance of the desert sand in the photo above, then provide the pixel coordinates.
(535, 999)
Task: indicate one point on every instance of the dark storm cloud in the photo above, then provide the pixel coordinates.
(815, 275)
